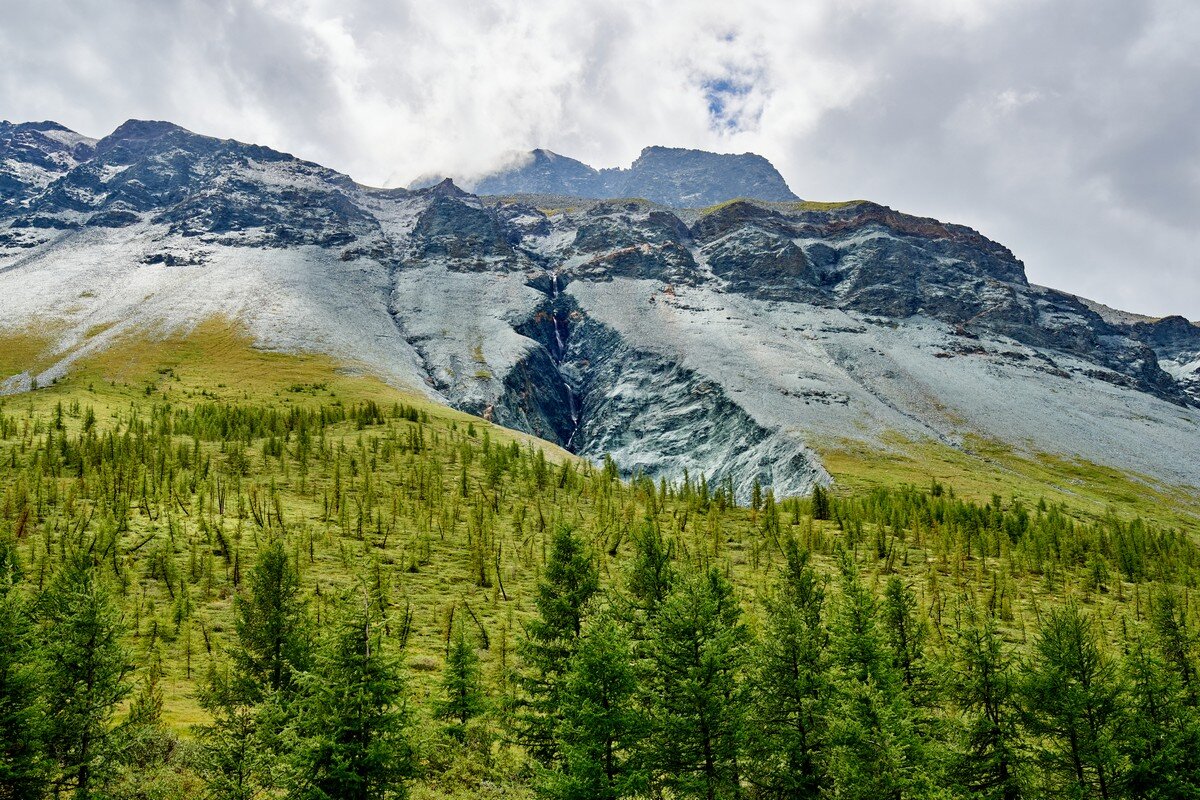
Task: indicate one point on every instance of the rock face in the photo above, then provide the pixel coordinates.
(33, 154)
(545, 172)
(1176, 343)
(721, 342)
(670, 176)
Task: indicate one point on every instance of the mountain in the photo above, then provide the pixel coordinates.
(545, 172)
(1176, 346)
(751, 341)
(33, 154)
(670, 176)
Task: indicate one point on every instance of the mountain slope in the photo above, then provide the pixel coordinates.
(745, 342)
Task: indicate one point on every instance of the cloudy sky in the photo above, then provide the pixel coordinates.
(1067, 129)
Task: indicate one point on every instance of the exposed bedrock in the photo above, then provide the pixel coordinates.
(594, 393)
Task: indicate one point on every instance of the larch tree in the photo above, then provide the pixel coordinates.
(86, 673)
(347, 739)
(602, 728)
(1160, 740)
(462, 687)
(272, 628)
(696, 696)
(791, 689)
(568, 584)
(24, 769)
(249, 702)
(981, 681)
(1073, 697)
(875, 750)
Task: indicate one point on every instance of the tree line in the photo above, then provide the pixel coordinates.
(658, 685)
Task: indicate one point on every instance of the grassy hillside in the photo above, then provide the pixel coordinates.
(177, 461)
(983, 467)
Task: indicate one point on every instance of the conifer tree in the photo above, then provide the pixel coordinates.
(232, 764)
(981, 680)
(820, 502)
(86, 670)
(1073, 699)
(23, 764)
(905, 635)
(875, 750)
(1161, 738)
(695, 694)
(569, 582)
(789, 730)
(602, 728)
(147, 748)
(1177, 641)
(348, 739)
(650, 573)
(271, 627)
(250, 702)
(461, 684)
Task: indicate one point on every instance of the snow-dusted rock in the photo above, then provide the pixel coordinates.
(725, 343)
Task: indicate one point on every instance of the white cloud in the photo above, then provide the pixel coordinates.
(1063, 128)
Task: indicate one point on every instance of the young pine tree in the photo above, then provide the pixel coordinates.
(820, 502)
(696, 699)
(650, 573)
(980, 680)
(462, 685)
(349, 717)
(789, 727)
(148, 750)
(906, 633)
(272, 629)
(569, 582)
(1177, 641)
(230, 760)
(1073, 699)
(875, 751)
(249, 703)
(1161, 738)
(23, 765)
(86, 671)
(602, 728)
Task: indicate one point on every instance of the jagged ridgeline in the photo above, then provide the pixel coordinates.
(718, 326)
(257, 575)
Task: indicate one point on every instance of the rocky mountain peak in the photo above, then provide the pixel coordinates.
(544, 172)
(33, 154)
(446, 188)
(671, 176)
(688, 178)
(137, 138)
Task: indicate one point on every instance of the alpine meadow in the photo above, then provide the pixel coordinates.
(521, 478)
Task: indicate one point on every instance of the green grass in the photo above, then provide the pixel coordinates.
(984, 467)
(829, 205)
(704, 212)
(25, 350)
(800, 205)
(215, 362)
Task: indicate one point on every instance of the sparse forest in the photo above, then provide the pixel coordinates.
(344, 599)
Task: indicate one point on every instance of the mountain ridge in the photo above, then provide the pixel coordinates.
(672, 176)
(723, 341)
